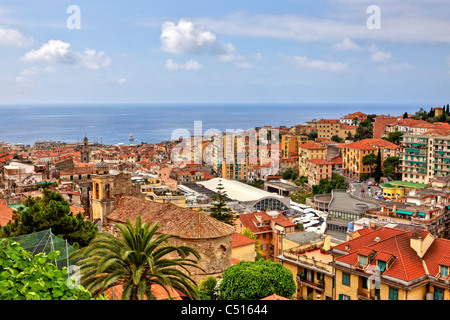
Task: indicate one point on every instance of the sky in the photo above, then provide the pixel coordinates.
(247, 51)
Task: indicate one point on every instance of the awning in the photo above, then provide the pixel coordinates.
(421, 214)
(404, 212)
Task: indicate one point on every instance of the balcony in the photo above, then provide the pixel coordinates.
(366, 294)
(304, 282)
(416, 219)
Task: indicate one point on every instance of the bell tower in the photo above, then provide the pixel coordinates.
(102, 192)
(85, 152)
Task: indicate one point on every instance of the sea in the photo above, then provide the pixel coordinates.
(156, 122)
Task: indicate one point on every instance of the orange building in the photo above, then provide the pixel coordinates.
(268, 227)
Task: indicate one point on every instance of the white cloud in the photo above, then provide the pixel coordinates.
(12, 37)
(185, 37)
(412, 26)
(122, 81)
(387, 61)
(346, 44)
(94, 60)
(54, 51)
(27, 74)
(378, 55)
(396, 67)
(57, 51)
(190, 65)
(304, 62)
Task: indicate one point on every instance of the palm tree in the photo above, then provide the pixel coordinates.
(136, 261)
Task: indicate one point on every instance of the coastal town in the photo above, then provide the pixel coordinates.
(356, 208)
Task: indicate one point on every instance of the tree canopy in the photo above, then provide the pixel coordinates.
(27, 277)
(219, 210)
(136, 260)
(325, 186)
(254, 280)
(50, 211)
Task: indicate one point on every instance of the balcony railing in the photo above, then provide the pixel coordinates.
(366, 294)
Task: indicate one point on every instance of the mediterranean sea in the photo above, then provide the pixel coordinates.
(152, 123)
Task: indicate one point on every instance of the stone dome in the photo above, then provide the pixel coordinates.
(102, 165)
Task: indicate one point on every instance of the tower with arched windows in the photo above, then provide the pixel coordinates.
(107, 185)
(85, 152)
(102, 186)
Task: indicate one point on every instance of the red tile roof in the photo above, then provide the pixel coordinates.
(238, 240)
(6, 214)
(319, 161)
(359, 145)
(311, 146)
(389, 242)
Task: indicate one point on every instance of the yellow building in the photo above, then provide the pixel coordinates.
(353, 154)
(304, 254)
(392, 264)
(327, 128)
(290, 143)
(229, 157)
(352, 159)
(242, 248)
(308, 151)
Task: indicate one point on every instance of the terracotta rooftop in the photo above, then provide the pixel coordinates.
(274, 297)
(186, 223)
(238, 240)
(359, 145)
(319, 161)
(6, 214)
(311, 146)
(390, 242)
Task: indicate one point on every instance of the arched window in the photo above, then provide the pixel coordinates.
(270, 204)
(96, 191)
(107, 191)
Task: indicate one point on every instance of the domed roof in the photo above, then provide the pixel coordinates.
(102, 165)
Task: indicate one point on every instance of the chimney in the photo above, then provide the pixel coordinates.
(327, 243)
(420, 244)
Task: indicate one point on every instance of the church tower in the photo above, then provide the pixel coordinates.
(102, 195)
(85, 152)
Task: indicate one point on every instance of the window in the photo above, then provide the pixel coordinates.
(344, 297)
(381, 265)
(438, 294)
(362, 260)
(345, 279)
(443, 270)
(364, 283)
(393, 294)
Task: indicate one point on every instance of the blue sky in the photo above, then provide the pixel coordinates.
(224, 51)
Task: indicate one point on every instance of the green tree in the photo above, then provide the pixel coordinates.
(290, 174)
(394, 137)
(50, 211)
(27, 277)
(364, 130)
(378, 173)
(136, 260)
(405, 115)
(219, 210)
(313, 135)
(248, 233)
(369, 160)
(391, 166)
(207, 287)
(325, 186)
(337, 139)
(254, 280)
